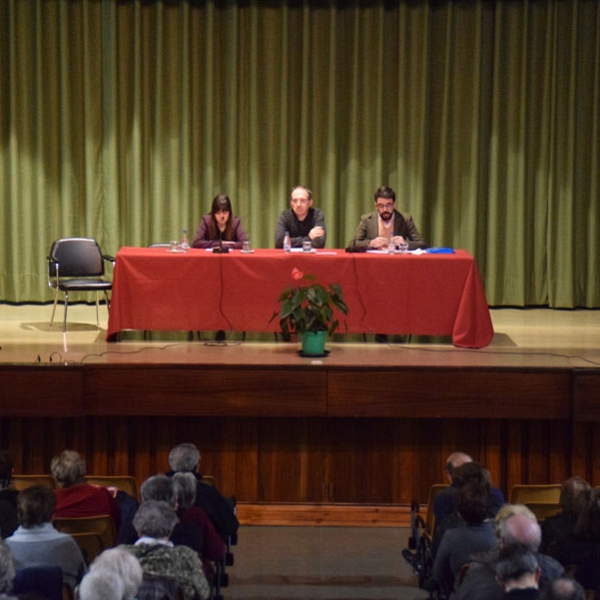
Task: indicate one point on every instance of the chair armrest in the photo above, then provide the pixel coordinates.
(110, 259)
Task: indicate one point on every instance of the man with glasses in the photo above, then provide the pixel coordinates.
(386, 225)
(302, 221)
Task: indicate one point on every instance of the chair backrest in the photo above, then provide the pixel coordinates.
(209, 480)
(46, 580)
(125, 483)
(434, 490)
(90, 544)
(76, 257)
(103, 525)
(543, 510)
(20, 482)
(534, 493)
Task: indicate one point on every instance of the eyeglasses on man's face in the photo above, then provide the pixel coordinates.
(386, 206)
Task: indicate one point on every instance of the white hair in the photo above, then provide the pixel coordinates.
(125, 565)
(101, 584)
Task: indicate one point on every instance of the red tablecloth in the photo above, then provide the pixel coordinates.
(427, 294)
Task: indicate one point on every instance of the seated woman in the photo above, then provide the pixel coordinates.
(220, 226)
(74, 497)
(154, 522)
(475, 535)
(37, 544)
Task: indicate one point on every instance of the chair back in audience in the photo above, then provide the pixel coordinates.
(102, 525)
(209, 480)
(125, 483)
(535, 494)
(90, 544)
(434, 490)
(542, 511)
(46, 581)
(20, 482)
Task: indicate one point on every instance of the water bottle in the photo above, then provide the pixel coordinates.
(185, 245)
(391, 246)
(287, 243)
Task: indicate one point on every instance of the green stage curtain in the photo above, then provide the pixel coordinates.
(122, 120)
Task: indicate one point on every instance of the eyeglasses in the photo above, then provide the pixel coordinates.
(300, 200)
(388, 206)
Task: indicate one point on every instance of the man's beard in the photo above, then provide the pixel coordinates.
(386, 216)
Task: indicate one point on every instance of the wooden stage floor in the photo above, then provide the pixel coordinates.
(524, 338)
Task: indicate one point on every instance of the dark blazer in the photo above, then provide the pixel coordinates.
(202, 239)
(368, 229)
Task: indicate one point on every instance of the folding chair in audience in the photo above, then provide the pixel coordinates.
(20, 482)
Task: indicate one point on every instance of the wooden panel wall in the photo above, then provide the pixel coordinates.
(358, 460)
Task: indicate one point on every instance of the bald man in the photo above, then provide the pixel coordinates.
(512, 529)
(443, 505)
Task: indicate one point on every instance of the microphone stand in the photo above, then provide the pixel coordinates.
(220, 249)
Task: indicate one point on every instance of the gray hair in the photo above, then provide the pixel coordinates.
(7, 569)
(68, 468)
(101, 584)
(160, 488)
(155, 519)
(125, 565)
(521, 530)
(185, 486)
(514, 562)
(184, 457)
(564, 588)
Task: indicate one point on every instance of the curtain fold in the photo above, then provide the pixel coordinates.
(122, 120)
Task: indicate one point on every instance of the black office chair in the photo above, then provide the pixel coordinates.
(77, 265)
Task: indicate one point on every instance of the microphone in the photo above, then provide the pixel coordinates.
(220, 249)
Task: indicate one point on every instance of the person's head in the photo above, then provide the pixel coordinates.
(160, 488)
(471, 472)
(519, 529)
(588, 522)
(155, 519)
(184, 458)
(517, 567)
(101, 584)
(7, 569)
(185, 487)
(473, 502)
(35, 506)
(385, 202)
(301, 199)
(125, 565)
(68, 468)
(221, 209)
(455, 460)
(563, 588)
(6, 468)
(571, 496)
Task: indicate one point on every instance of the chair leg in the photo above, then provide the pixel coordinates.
(65, 316)
(107, 302)
(54, 306)
(97, 308)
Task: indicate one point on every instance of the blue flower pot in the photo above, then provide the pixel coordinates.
(313, 343)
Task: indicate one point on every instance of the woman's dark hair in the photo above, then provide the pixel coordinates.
(35, 506)
(473, 502)
(588, 523)
(220, 202)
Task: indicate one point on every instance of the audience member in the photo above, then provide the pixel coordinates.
(7, 572)
(74, 497)
(468, 472)
(101, 585)
(162, 489)
(514, 524)
(556, 528)
(476, 535)
(564, 588)
(301, 221)
(154, 522)
(123, 564)
(185, 458)
(582, 547)
(386, 225)
(8, 496)
(213, 547)
(220, 227)
(460, 469)
(518, 573)
(36, 543)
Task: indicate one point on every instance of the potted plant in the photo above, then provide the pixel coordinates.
(308, 310)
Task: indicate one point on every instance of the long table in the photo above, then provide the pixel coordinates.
(425, 294)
